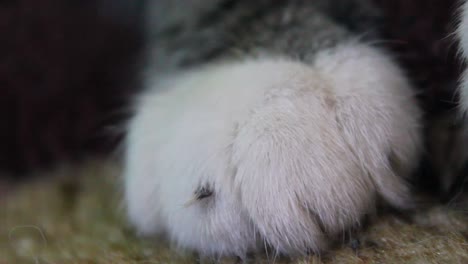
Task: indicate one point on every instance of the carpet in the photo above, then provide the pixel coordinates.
(74, 215)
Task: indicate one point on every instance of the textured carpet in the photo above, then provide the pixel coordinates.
(74, 216)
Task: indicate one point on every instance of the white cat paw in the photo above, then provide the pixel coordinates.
(232, 157)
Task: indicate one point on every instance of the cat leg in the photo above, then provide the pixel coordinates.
(232, 157)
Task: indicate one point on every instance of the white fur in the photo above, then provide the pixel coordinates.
(463, 35)
(295, 153)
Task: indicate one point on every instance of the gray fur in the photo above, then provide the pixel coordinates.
(188, 33)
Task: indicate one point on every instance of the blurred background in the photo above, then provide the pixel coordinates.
(68, 70)
(66, 73)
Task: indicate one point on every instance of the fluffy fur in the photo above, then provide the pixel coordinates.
(463, 35)
(257, 139)
(293, 154)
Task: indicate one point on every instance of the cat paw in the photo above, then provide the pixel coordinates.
(229, 158)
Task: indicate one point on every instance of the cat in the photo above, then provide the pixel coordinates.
(463, 39)
(273, 124)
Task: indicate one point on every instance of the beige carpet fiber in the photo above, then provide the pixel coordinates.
(75, 217)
